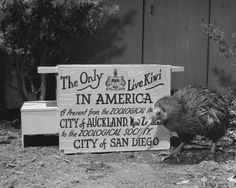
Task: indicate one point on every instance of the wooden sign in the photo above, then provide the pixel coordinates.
(103, 108)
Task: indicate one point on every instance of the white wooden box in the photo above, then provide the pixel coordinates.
(39, 117)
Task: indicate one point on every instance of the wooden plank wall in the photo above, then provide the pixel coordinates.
(131, 38)
(173, 36)
(119, 41)
(222, 70)
(2, 88)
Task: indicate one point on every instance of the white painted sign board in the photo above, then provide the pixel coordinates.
(103, 108)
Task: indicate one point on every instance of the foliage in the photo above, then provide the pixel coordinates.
(38, 32)
(226, 48)
(231, 101)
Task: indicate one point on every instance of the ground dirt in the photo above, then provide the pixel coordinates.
(47, 166)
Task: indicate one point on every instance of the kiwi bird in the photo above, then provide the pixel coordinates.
(193, 111)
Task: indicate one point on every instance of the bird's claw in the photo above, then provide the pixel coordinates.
(173, 154)
(164, 153)
(169, 157)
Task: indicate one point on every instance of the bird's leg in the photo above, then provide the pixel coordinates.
(213, 151)
(175, 153)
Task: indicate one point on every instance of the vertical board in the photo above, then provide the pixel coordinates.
(131, 15)
(119, 40)
(222, 70)
(173, 36)
(2, 88)
(104, 108)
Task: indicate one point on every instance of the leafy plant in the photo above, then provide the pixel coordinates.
(231, 101)
(226, 48)
(38, 32)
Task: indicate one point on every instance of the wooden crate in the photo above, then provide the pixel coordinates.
(38, 117)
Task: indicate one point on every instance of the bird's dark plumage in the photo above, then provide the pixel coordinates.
(194, 111)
